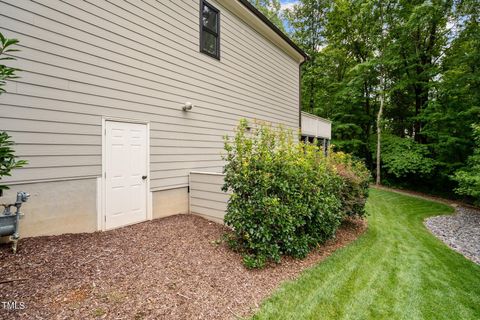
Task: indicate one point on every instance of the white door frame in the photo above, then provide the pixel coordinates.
(101, 207)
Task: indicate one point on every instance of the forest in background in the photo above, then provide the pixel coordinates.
(408, 71)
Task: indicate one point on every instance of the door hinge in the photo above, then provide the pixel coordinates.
(188, 189)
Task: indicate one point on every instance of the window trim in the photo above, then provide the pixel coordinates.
(205, 29)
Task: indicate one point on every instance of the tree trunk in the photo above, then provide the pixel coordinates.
(379, 130)
(378, 180)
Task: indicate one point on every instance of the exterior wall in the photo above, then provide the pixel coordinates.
(170, 202)
(315, 126)
(206, 196)
(60, 207)
(57, 207)
(82, 61)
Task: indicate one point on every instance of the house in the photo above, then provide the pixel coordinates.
(118, 102)
(316, 128)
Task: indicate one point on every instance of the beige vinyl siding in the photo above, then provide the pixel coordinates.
(84, 60)
(206, 196)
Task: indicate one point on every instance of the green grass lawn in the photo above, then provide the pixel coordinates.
(396, 270)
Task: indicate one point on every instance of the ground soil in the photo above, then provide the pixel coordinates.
(171, 268)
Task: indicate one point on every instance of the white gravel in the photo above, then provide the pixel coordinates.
(460, 231)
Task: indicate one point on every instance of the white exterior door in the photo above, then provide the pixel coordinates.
(126, 174)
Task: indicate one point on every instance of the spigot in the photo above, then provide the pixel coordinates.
(21, 197)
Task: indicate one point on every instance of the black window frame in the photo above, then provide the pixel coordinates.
(203, 29)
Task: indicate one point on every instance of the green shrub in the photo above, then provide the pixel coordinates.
(285, 194)
(403, 158)
(355, 183)
(468, 178)
(8, 161)
(6, 72)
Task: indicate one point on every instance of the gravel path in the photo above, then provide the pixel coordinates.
(171, 268)
(460, 231)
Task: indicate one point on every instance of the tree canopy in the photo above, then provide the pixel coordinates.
(422, 57)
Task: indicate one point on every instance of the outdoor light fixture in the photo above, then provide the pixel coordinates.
(188, 106)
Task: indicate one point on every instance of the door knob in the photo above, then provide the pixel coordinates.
(144, 177)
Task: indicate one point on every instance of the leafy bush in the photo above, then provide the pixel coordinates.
(8, 161)
(6, 72)
(403, 157)
(355, 182)
(285, 194)
(468, 178)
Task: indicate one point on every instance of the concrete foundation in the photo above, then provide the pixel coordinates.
(57, 207)
(71, 206)
(169, 202)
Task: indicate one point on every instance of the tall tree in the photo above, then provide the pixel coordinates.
(400, 76)
(455, 103)
(272, 10)
(419, 29)
(307, 20)
(382, 95)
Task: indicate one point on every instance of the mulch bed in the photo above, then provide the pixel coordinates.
(171, 268)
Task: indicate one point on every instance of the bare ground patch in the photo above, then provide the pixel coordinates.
(171, 268)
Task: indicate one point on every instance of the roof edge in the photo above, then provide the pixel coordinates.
(279, 32)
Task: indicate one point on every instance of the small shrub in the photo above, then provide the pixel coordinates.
(8, 161)
(6, 72)
(355, 182)
(468, 178)
(285, 194)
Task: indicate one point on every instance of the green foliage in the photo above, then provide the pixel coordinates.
(285, 194)
(307, 20)
(270, 9)
(6, 72)
(8, 161)
(428, 52)
(355, 183)
(403, 157)
(396, 270)
(468, 178)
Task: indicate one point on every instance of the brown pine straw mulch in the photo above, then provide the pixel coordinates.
(171, 268)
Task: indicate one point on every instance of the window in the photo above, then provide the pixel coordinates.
(209, 30)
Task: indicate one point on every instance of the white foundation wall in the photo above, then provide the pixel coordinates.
(56, 207)
(60, 207)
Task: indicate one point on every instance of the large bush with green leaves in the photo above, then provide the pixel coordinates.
(404, 158)
(468, 178)
(285, 194)
(355, 176)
